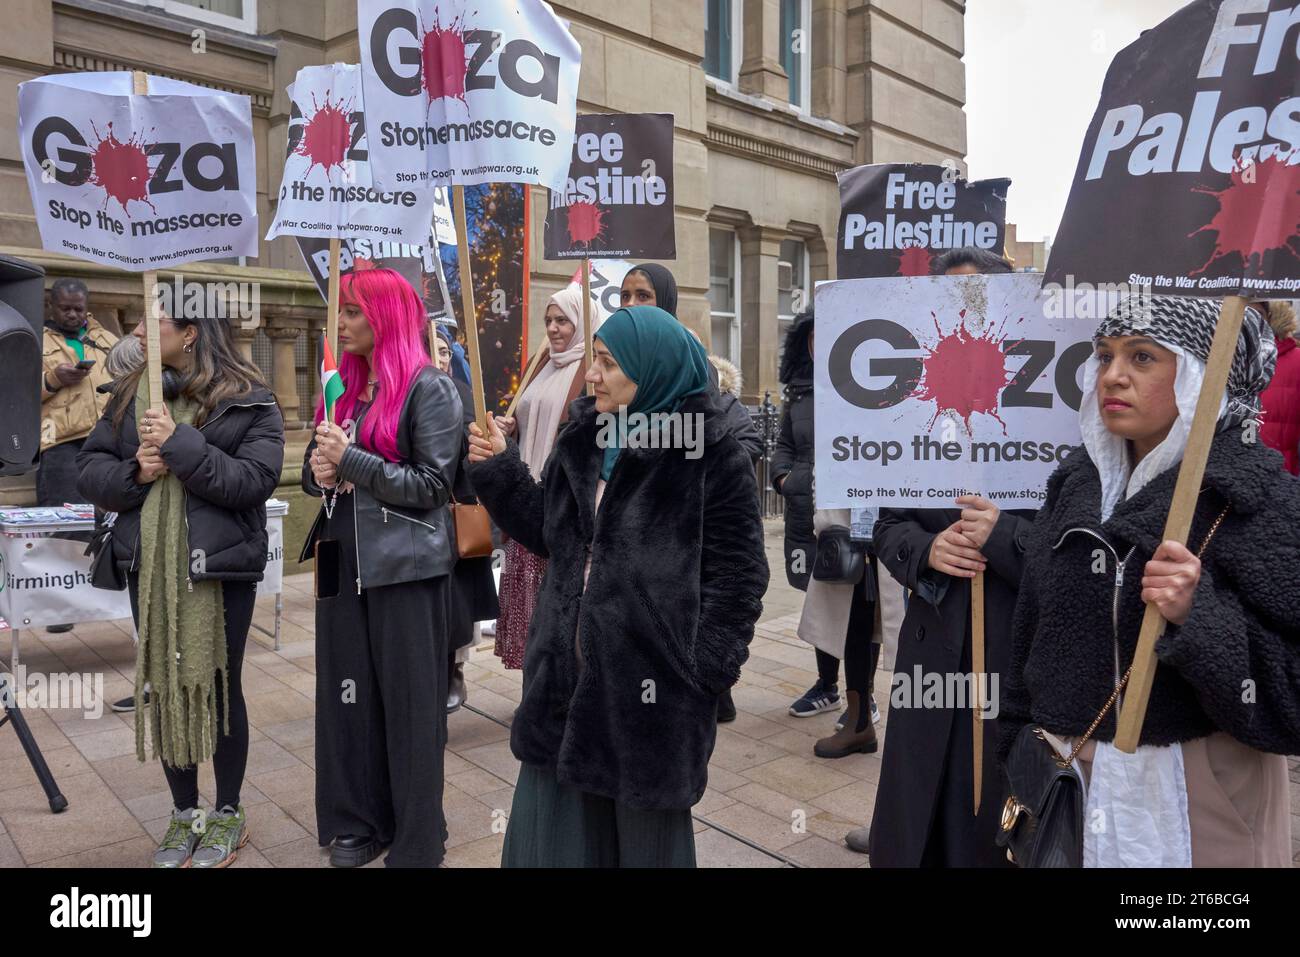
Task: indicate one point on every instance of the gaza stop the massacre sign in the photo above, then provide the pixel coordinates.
(1188, 182)
(932, 387)
(464, 92)
(139, 182)
(327, 188)
(896, 217)
(618, 198)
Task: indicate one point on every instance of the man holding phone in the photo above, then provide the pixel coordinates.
(74, 349)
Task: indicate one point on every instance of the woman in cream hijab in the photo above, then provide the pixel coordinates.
(542, 409)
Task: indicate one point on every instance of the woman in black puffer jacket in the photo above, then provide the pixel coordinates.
(1208, 783)
(189, 486)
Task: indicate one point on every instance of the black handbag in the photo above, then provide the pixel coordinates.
(1042, 818)
(105, 573)
(839, 558)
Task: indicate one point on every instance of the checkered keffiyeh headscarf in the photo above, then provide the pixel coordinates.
(1189, 324)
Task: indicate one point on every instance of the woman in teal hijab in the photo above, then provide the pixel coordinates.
(647, 361)
(655, 579)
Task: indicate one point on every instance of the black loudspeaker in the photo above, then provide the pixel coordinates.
(22, 313)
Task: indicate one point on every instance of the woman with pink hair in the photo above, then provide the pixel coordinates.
(384, 464)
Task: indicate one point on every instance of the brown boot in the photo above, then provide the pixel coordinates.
(848, 740)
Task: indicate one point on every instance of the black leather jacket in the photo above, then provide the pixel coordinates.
(401, 507)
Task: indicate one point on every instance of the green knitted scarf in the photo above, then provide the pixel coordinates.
(182, 649)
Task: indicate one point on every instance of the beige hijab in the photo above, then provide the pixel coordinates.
(542, 404)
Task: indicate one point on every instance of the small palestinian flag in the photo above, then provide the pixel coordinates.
(331, 383)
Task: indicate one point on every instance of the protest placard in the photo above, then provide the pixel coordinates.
(928, 388)
(895, 218)
(618, 198)
(327, 189)
(138, 181)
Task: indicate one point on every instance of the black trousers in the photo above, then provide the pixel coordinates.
(56, 477)
(381, 711)
(230, 758)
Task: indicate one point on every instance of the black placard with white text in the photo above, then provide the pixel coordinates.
(896, 217)
(618, 199)
(1188, 182)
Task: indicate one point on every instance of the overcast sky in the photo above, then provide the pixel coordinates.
(1034, 70)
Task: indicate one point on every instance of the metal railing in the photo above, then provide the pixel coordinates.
(767, 418)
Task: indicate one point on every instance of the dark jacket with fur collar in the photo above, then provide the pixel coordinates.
(1233, 666)
(677, 578)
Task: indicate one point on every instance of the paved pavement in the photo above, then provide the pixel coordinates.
(765, 786)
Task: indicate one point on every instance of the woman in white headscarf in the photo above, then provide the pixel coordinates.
(542, 409)
(1208, 784)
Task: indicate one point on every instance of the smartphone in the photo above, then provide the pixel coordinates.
(86, 364)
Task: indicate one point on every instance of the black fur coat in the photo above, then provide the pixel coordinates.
(678, 573)
(1233, 666)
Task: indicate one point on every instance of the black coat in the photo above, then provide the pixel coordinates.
(925, 795)
(1233, 666)
(229, 465)
(792, 476)
(739, 422)
(677, 578)
(401, 507)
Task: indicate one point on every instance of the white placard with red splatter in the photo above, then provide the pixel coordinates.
(931, 387)
(327, 189)
(139, 182)
(463, 92)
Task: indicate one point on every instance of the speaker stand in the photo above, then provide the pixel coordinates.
(14, 716)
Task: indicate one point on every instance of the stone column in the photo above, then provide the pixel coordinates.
(244, 340)
(285, 379)
(761, 72)
(760, 249)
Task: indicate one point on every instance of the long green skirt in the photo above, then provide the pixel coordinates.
(555, 825)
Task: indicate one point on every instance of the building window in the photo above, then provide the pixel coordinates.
(793, 286)
(234, 14)
(724, 286)
(796, 57)
(722, 34)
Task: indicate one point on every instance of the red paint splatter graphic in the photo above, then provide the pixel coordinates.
(326, 135)
(964, 373)
(1259, 213)
(122, 169)
(443, 60)
(586, 222)
(361, 263)
(914, 261)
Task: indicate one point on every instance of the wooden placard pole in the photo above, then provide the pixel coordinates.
(587, 331)
(467, 302)
(332, 308)
(153, 343)
(977, 680)
(332, 300)
(1181, 509)
(523, 382)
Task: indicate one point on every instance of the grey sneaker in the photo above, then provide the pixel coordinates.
(178, 843)
(225, 834)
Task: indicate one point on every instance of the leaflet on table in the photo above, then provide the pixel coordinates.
(42, 516)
